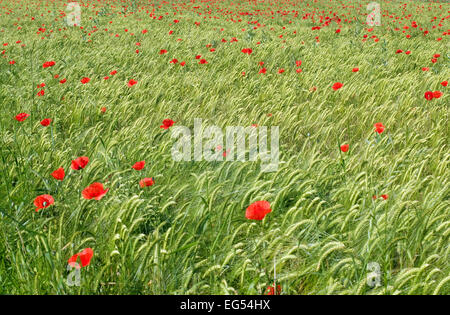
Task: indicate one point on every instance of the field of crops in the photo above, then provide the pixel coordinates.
(92, 200)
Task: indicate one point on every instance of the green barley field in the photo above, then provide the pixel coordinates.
(359, 200)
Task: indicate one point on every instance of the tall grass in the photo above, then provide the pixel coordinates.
(188, 234)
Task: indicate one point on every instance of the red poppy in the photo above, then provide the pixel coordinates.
(85, 257)
(437, 94)
(337, 86)
(271, 290)
(113, 72)
(355, 69)
(298, 63)
(146, 182)
(63, 81)
(345, 147)
(263, 70)
(131, 83)
(167, 123)
(258, 210)
(103, 109)
(444, 83)
(247, 51)
(384, 197)
(139, 165)
(429, 95)
(21, 116)
(94, 191)
(162, 51)
(399, 51)
(59, 174)
(45, 122)
(48, 64)
(43, 201)
(379, 128)
(80, 163)
(85, 80)
(203, 61)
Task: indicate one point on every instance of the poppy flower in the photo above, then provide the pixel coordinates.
(384, 197)
(437, 94)
(85, 80)
(21, 116)
(355, 69)
(298, 63)
(429, 95)
(48, 64)
(80, 163)
(103, 109)
(43, 201)
(337, 86)
(444, 83)
(263, 70)
(146, 182)
(113, 72)
(271, 290)
(63, 81)
(345, 147)
(45, 122)
(399, 51)
(58, 174)
(258, 210)
(167, 123)
(425, 69)
(247, 51)
(379, 128)
(131, 83)
(298, 70)
(85, 257)
(94, 191)
(139, 165)
(162, 51)
(203, 61)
